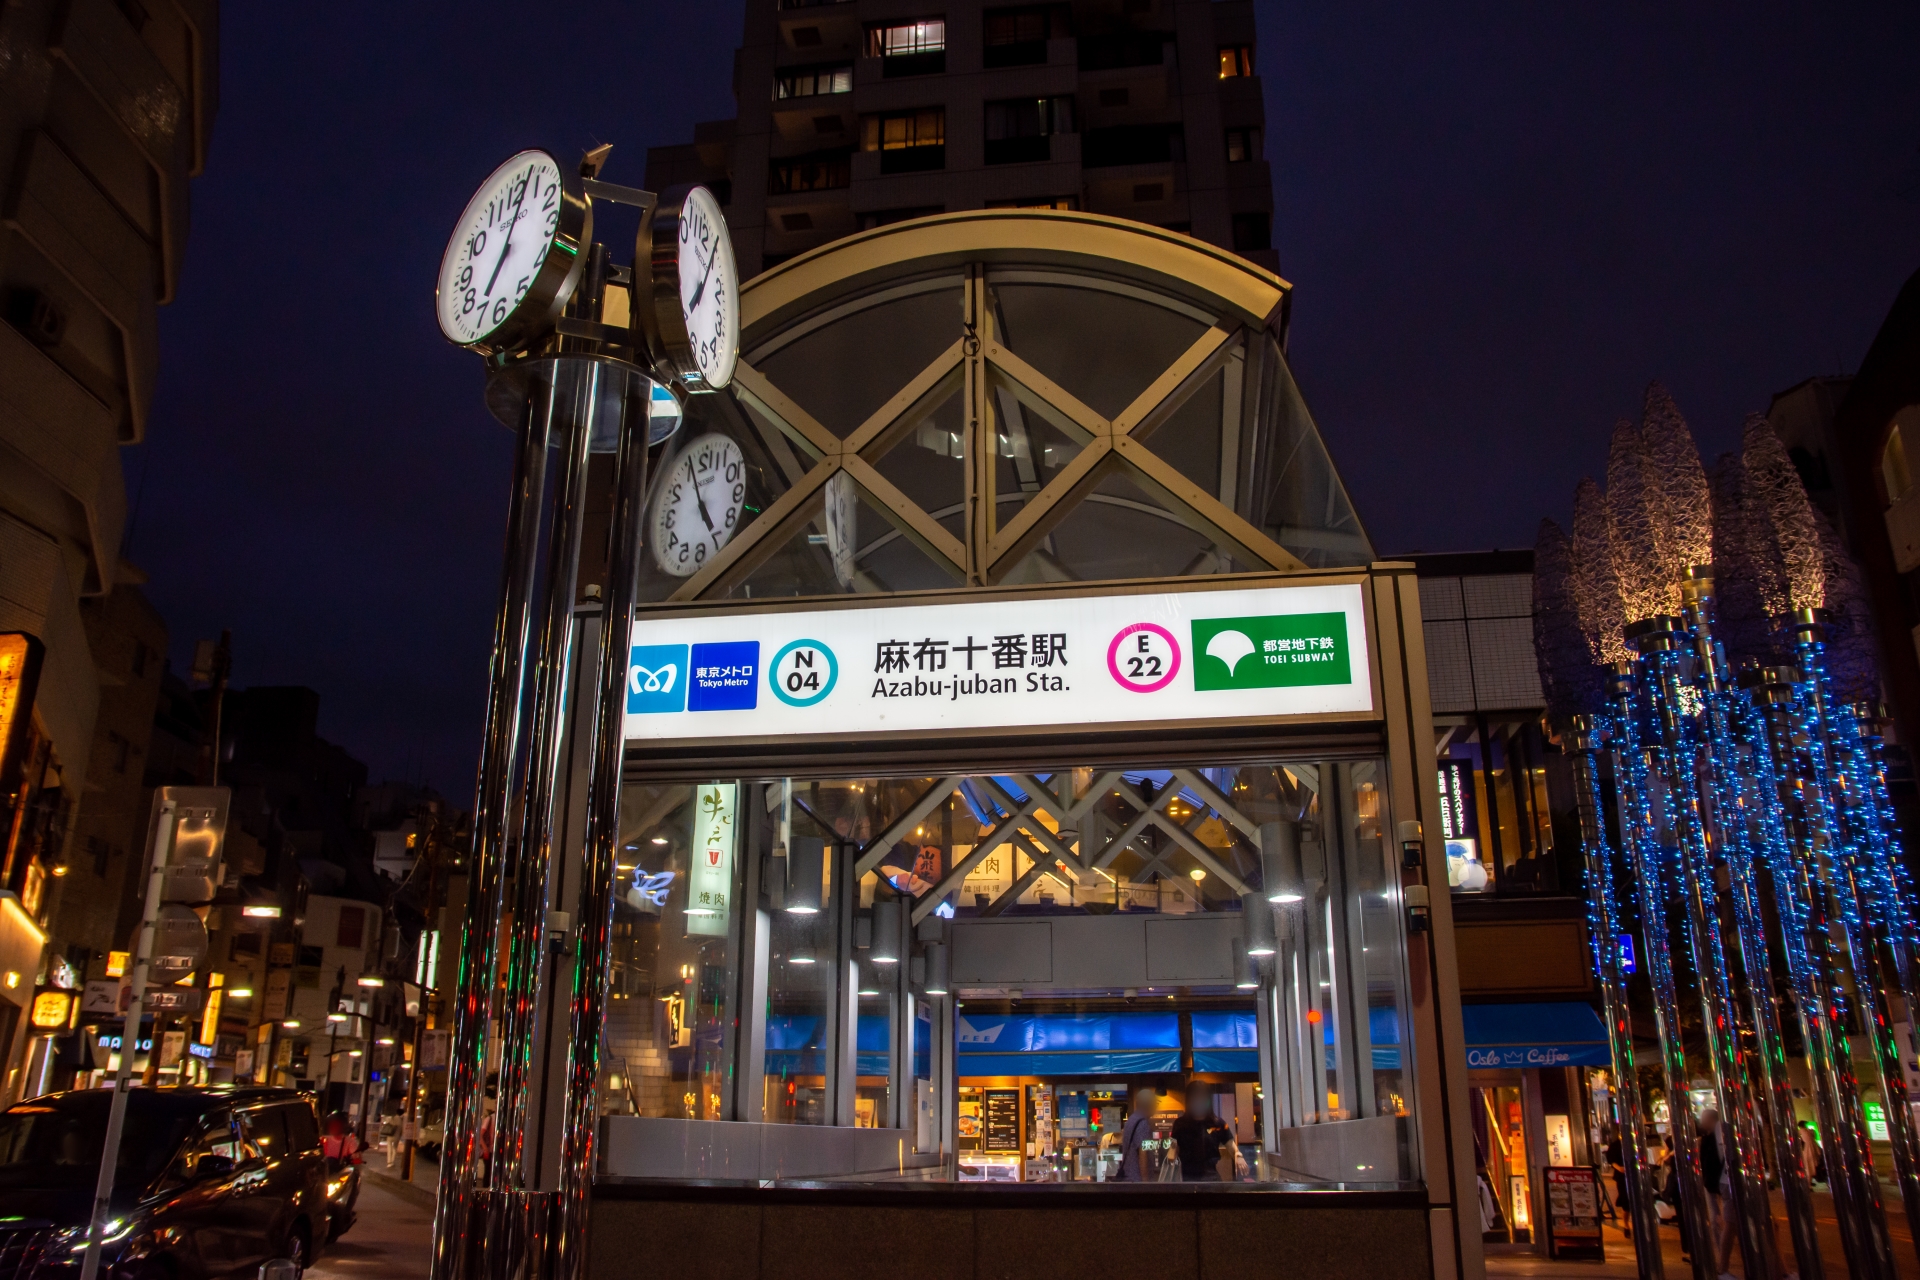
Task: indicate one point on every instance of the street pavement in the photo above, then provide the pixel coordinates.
(393, 1235)
(1620, 1264)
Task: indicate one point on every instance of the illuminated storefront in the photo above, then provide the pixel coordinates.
(1017, 729)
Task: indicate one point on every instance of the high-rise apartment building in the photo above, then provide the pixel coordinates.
(105, 111)
(857, 113)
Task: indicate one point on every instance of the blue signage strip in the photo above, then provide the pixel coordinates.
(1561, 1034)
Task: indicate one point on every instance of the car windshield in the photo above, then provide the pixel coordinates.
(56, 1141)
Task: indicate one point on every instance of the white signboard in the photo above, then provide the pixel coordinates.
(1111, 659)
(710, 877)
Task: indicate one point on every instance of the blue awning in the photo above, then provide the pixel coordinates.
(1561, 1034)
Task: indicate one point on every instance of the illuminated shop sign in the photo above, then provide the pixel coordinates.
(710, 879)
(1118, 658)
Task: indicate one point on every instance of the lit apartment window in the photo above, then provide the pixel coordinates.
(1018, 37)
(909, 48)
(815, 171)
(1236, 60)
(908, 141)
(1242, 145)
(1018, 129)
(808, 82)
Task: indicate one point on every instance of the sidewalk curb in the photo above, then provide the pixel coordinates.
(405, 1190)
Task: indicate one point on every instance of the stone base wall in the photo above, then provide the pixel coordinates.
(854, 1235)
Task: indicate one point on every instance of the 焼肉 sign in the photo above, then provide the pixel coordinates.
(1192, 655)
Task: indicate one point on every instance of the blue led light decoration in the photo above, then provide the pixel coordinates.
(1658, 512)
(1737, 725)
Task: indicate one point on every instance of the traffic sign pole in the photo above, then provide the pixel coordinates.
(130, 1036)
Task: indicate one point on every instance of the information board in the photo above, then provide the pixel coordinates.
(1573, 1213)
(1028, 661)
(1003, 1120)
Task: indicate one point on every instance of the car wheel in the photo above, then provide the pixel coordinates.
(298, 1249)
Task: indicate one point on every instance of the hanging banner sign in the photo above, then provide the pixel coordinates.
(1118, 658)
(710, 880)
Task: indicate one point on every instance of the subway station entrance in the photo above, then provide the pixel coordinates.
(1023, 789)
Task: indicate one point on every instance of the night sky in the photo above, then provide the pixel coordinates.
(1501, 222)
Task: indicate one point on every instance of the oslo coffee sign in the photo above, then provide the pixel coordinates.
(1253, 653)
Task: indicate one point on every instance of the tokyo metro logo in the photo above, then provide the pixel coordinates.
(656, 678)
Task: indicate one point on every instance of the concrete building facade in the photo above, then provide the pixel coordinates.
(858, 113)
(105, 113)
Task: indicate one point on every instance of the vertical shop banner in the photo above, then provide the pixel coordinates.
(710, 878)
(1141, 657)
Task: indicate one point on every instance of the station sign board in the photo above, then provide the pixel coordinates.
(1121, 658)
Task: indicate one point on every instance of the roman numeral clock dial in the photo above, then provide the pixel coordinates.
(514, 257)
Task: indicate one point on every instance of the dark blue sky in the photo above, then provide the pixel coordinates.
(1501, 222)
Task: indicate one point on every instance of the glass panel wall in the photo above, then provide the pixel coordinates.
(1071, 974)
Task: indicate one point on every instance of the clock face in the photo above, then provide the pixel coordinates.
(499, 246)
(697, 506)
(709, 287)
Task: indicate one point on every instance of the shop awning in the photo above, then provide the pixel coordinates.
(1561, 1034)
(1115, 1044)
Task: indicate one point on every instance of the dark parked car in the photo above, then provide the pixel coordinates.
(211, 1182)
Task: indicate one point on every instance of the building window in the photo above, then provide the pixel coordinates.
(1018, 37)
(1062, 203)
(816, 171)
(1236, 60)
(1128, 49)
(910, 49)
(119, 750)
(908, 141)
(1252, 231)
(100, 851)
(1242, 145)
(808, 82)
(1019, 128)
(1893, 467)
(352, 927)
(1132, 144)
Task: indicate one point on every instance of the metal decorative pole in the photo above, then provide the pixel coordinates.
(1659, 641)
(1759, 1108)
(1869, 943)
(1769, 1098)
(461, 1207)
(1802, 902)
(1583, 744)
(1638, 834)
(595, 906)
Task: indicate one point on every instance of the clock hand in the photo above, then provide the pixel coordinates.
(501, 261)
(698, 501)
(704, 277)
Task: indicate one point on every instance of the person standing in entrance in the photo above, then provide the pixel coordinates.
(1139, 1127)
(1198, 1135)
